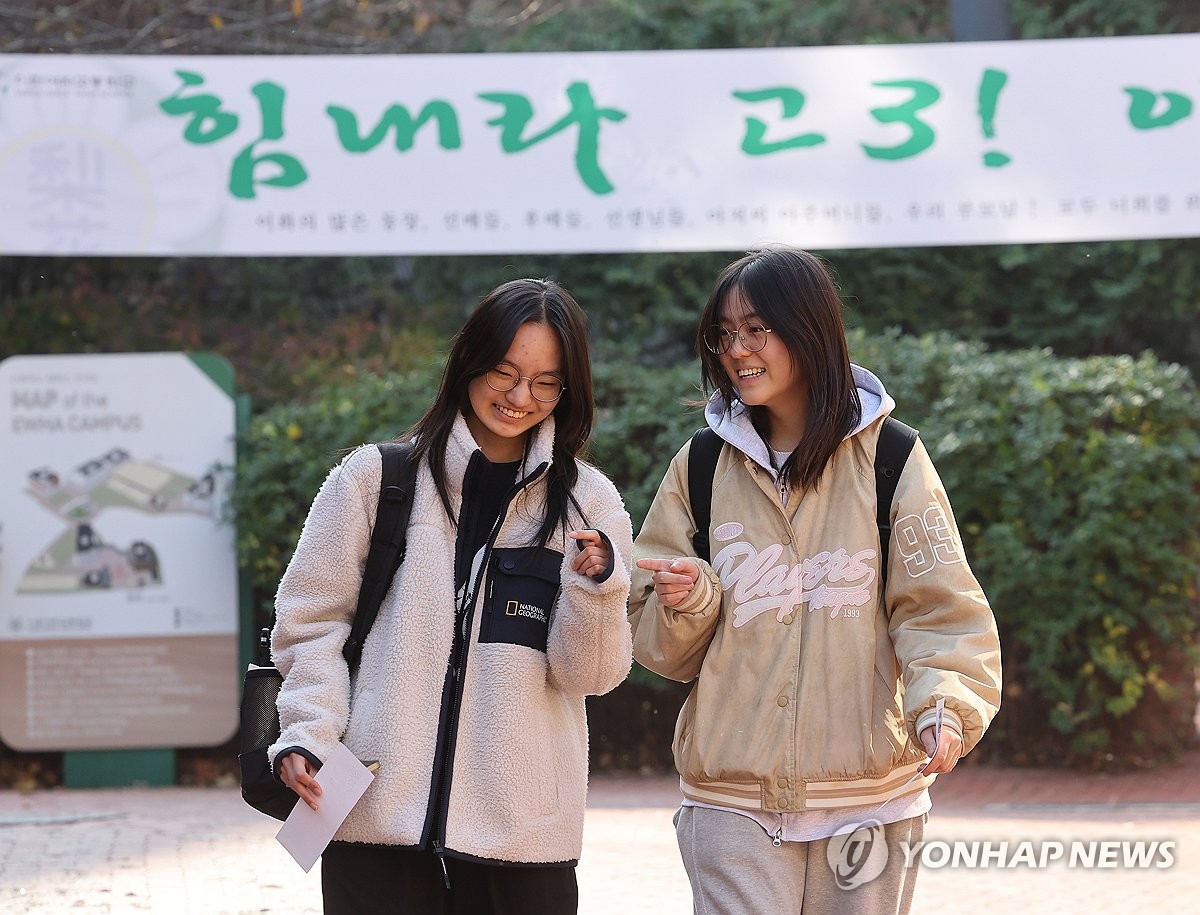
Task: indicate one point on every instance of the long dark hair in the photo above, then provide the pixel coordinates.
(794, 294)
(482, 342)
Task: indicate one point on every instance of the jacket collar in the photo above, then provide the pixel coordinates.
(461, 446)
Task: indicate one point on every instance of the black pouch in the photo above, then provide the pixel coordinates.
(260, 729)
(523, 584)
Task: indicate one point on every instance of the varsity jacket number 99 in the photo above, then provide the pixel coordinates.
(482, 741)
(810, 684)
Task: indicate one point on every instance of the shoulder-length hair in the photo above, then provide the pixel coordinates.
(482, 342)
(793, 293)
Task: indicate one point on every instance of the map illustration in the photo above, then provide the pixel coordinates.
(80, 559)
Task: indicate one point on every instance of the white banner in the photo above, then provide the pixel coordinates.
(996, 142)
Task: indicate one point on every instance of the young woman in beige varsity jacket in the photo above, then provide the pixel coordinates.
(507, 611)
(820, 703)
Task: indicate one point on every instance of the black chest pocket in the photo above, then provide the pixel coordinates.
(522, 587)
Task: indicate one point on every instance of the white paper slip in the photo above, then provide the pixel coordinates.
(306, 832)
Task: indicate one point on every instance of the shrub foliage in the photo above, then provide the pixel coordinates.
(1077, 486)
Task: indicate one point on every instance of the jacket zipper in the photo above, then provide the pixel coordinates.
(443, 757)
(441, 793)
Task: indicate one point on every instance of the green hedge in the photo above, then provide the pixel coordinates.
(286, 324)
(1082, 299)
(1077, 486)
(286, 451)
(1076, 483)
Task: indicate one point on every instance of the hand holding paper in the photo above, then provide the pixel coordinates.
(943, 744)
(306, 832)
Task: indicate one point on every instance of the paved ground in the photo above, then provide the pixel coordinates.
(195, 851)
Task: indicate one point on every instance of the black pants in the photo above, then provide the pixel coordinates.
(378, 880)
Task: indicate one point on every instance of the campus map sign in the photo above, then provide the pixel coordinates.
(922, 144)
(118, 577)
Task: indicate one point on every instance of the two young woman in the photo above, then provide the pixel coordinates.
(820, 701)
(508, 609)
(823, 702)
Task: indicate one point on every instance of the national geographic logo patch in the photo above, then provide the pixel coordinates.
(529, 611)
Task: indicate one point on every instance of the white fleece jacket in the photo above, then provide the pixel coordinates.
(518, 773)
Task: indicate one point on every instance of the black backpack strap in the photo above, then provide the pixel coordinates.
(388, 541)
(702, 467)
(896, 442)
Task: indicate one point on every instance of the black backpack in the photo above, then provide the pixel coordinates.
(259, 716)
(389, 540)
(896, 442)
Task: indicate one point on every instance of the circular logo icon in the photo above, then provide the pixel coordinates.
(728, 531)
(857, 854)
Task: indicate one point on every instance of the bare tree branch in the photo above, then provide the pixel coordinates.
(264, 26)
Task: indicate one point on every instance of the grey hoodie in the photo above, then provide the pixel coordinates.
(734, 425)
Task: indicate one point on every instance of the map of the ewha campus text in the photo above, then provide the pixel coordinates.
(79, 559)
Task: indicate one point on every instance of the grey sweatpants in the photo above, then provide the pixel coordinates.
(735, 869)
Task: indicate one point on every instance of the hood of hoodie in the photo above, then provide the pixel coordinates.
(735, 427)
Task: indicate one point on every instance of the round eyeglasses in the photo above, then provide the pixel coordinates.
(752, 335)
(504, 377)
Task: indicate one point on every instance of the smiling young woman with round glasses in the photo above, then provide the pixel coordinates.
(823, 702)
(508, 609)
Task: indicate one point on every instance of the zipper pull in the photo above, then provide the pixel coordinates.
(437, 850)
(777, 839)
